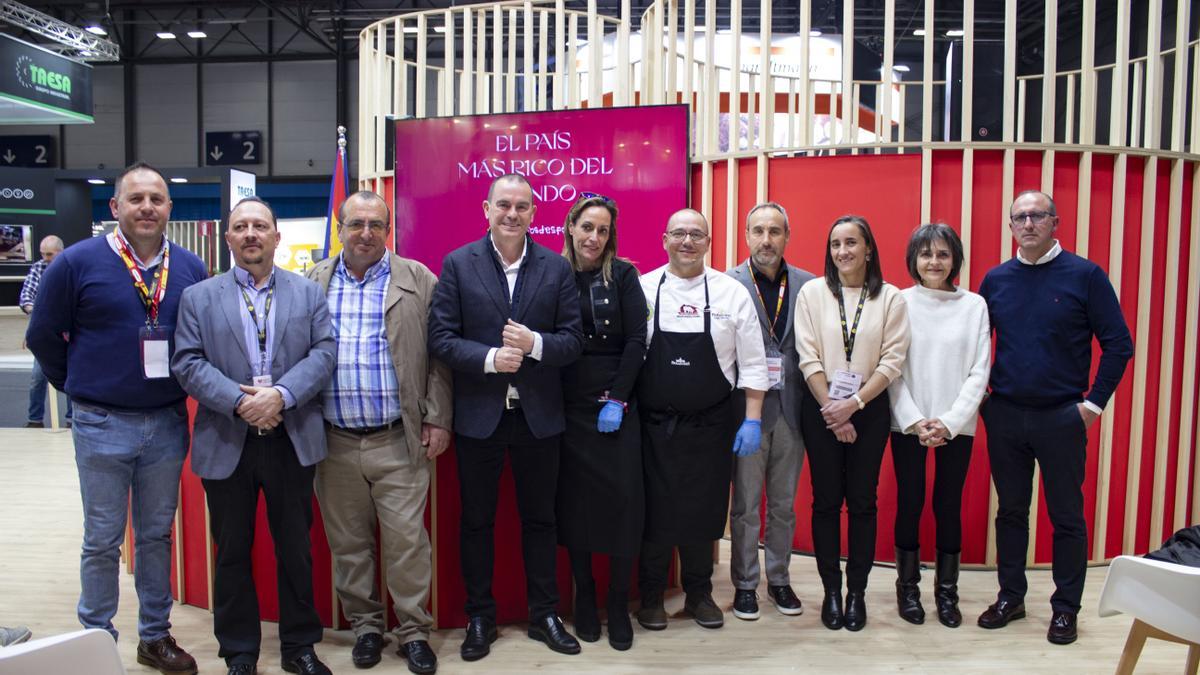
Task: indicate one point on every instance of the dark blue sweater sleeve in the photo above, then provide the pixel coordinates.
(53, 316)
(1108, 325)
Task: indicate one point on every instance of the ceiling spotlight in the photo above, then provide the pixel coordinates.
(900, 68)
(815, 33)
(165, 35)
(954, 33)
(197, 34)
(96, 29)
(920, 32)
(412, 30)
(177, 179)
(96, 181)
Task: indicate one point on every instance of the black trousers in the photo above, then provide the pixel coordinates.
(1057, 440)
(950, 473)
(695, 561)
(268, 464)
(845, 473)
(535, 470)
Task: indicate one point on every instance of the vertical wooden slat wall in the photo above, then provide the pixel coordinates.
(1156, 410)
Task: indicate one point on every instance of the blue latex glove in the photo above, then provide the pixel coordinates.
(748, 438)
(610, 417)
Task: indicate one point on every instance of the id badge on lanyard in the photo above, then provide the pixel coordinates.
(156, 352)
(775, 376)
(845, 384)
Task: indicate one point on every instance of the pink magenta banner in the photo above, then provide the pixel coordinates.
(635, 156)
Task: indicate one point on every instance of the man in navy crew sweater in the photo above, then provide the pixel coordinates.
(1045, 305)
(106, 339)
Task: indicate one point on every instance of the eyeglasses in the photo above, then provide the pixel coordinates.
(1038, 217)
(677, 236)
(357, 226)
(595, 195)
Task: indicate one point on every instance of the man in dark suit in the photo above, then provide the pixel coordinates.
(505, 318)
(773, 284)
(254, 347)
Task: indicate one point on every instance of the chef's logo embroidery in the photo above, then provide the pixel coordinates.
(681, 362)
(687, 311)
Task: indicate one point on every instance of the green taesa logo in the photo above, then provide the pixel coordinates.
(31, 75)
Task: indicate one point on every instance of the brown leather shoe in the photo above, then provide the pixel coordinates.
(166, 656)
(999, 614)
(1062, 629)
(704, 610)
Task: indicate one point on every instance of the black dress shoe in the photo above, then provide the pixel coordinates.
(305, 663)
(368, 650)
(1000, 613)
(856, 611)
(481, 633)
(1062, 628)
(549, 629)
(421, 658)
(831, 610)
(243, 669)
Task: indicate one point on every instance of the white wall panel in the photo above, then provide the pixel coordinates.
(90, 145)
(305, 117)
(167, 132)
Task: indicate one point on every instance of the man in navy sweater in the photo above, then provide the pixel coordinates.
(1045, 306)
(102, 332)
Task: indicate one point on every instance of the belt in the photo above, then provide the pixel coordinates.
(367, 431)
(512, 404)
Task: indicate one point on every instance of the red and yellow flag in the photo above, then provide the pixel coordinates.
(339, 187)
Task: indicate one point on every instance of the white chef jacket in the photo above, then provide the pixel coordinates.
(736, 332)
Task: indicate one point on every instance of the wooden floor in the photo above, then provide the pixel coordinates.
(41, 529)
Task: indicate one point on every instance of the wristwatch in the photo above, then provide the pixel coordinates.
(861, 403)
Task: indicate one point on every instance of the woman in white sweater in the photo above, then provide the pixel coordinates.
(851, 336)
(935, 403)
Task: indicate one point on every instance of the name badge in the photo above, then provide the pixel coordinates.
(156, 352)
(775, 377)
(263, 381)
(845, 384)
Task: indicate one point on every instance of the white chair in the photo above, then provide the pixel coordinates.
(91, 651)
(1164, 600)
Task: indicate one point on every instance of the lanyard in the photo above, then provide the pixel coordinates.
(778, 301)
(848, 336)
(151, 297)
(260, 329)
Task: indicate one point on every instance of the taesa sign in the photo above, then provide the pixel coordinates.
(39, 86)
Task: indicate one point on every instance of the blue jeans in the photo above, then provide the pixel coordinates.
(117, 451)
(37, 394)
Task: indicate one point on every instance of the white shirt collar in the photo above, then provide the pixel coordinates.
(520, 259)
(1050, 255)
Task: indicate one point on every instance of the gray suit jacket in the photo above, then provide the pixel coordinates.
(787, 400)
(211, 361)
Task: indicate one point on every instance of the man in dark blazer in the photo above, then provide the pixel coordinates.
(773, 284)
(505, 319)
(254, 347)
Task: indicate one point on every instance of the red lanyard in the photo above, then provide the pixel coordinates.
(778, 301)
(151, 297)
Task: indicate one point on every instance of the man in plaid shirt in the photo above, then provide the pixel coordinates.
(50, 247)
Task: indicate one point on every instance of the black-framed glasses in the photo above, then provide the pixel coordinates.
(678, 236)
(1038, 217)
(596, 195)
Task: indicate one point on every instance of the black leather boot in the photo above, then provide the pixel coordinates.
(856, 610)
(831, 610)
(945, 589)
(908, 591)
(620, 628)
(587, 618)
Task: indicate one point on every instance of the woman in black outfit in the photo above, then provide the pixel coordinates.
(601, 503)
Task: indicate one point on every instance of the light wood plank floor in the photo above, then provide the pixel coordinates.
(41, 530)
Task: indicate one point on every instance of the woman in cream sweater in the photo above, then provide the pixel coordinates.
(852, 336)
(935, 402)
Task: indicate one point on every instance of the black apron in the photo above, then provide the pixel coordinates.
(601, 500)
(688, 427)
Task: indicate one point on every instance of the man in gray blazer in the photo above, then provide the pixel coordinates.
(773, 283)
(254, 347)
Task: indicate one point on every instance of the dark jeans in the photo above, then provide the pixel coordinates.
(845, 473)
(695, 560)
(535, 470)
(268, 464)
(950, 473)
(1057, 440)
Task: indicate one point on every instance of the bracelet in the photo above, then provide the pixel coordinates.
(861, 403)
